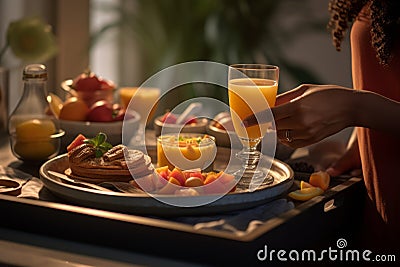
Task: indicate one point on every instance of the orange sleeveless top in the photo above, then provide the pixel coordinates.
(380, 152)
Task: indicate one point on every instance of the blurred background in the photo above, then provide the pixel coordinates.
(128, 41)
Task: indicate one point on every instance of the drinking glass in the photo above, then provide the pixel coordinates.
(144, 101)
(251, 89)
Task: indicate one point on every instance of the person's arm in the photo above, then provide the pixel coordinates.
(323, 110)
(378, 112)
(319, 112)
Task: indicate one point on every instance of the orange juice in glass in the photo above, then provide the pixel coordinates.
(243, 92)
(142, 99)
(251, 88)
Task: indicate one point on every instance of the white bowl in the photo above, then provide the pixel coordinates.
(113, 130)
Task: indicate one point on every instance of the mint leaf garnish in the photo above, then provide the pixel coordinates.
(99, 143)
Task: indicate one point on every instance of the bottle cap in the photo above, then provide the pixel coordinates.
(35, 71)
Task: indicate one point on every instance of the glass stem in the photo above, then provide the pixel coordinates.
(250, 157)
(251, 175)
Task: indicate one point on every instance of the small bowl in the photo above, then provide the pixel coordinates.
(169, 128)
(186, 151)
(113, 130)
(90, 97)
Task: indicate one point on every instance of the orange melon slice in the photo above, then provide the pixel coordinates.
(304, 184)
(306, 193)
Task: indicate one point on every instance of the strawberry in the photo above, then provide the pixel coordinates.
(191, 120)
(169, 118)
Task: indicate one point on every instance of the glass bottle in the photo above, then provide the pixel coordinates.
(34, 132)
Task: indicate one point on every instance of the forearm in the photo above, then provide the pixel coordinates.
(377, 112)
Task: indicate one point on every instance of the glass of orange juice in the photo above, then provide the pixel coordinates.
(144, 101)
(251, 89)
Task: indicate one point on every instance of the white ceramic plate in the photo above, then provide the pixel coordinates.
(147, 205)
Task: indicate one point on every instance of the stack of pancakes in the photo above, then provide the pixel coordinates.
(116, 165)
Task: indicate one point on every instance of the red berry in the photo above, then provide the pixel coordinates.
(191, 120)
(169, 118)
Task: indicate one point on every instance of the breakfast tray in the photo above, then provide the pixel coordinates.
(144, 204)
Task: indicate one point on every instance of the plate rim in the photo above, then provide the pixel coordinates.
(75, 193)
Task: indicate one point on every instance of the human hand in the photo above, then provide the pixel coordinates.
(310, 113)
(349, 162)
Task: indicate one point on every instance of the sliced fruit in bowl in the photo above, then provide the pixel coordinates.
(89, 109)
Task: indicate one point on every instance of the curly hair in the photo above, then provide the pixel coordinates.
(385, 18)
